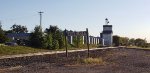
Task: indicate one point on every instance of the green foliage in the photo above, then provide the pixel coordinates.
(120, 41)
(48, 41)
(19, 29)
(123, 41)
(8, 31)
(77, 41)
(36, 38)
(147, 45)
(54, 38)
(55, 44)
(3, 38)
(140, 42)
(61, 40)
(132, 42)
(116, 40)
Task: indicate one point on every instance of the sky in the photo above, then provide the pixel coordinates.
(130, 18)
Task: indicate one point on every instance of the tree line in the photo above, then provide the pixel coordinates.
(54, 38)
(51, 38)
(125, 41)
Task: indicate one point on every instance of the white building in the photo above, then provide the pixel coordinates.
(106, 34)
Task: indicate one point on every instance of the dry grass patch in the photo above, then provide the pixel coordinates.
(89, 61)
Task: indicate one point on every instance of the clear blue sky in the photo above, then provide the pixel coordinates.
(130, 18)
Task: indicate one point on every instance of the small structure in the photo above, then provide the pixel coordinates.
(71, 35)
(24, 36)
(20, 38)
(106, 35)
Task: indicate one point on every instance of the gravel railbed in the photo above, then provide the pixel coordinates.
(118, 60)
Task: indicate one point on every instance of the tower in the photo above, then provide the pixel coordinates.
(106, 34)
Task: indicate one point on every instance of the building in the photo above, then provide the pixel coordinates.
(20, 38)
(106, 35)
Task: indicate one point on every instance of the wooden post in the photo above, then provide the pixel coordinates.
(88, 42)
(66, 43)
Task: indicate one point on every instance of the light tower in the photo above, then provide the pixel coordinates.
(106, 34)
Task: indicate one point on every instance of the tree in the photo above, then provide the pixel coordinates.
(51, 32)
(3, 38)
(19, 29)
(132, 41)
(48, 41)
(77, 41)
(61, 38)
(54, 37)
(8, 31)
(116, 40)
(140, 42)
(124, 41)
(36, 38)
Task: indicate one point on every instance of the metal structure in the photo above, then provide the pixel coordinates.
(106, 21)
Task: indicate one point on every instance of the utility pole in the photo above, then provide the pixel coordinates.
(40, 19)
(0, 24)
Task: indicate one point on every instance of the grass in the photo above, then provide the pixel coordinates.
(75, 48)
(133, 47)
(138, 48)
(13, 50)
(89, 61)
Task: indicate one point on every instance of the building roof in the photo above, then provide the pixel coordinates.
(18, 34)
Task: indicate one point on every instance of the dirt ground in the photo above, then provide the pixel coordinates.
(117, 60)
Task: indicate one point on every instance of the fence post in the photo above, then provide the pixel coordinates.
(66, 43)
(88, 42)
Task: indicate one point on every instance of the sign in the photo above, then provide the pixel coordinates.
(75, 33)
